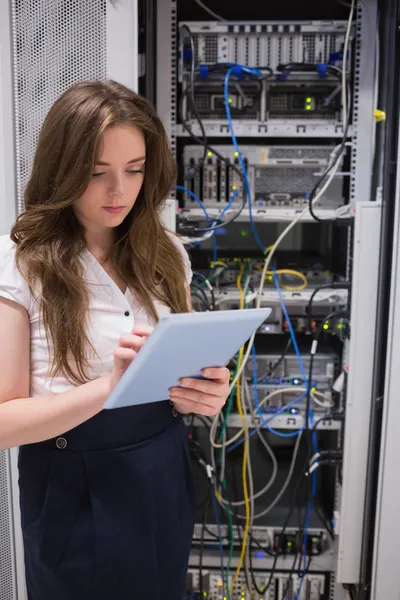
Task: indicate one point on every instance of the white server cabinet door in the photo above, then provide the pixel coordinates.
(122, 42)
(386, 575)
(8, 202)
(57, 44)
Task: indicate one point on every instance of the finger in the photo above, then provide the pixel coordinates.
(143, 330)
(131, 341)
(125, 353)
(196, 396)
(188, 406)
(207, 387)
(221, 374)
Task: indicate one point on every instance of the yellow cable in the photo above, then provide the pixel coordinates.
(219, 263)
(290, 288)
(245, 452)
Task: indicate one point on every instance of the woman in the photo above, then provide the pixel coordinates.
(107, 502)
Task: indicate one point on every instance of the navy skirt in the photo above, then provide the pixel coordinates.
(108, 509)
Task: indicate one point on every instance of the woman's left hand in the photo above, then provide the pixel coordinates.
(201, 396)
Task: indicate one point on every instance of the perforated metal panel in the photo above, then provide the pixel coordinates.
(56, 43)
(6, 548)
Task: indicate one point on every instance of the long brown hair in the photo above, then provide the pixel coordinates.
(50, 239)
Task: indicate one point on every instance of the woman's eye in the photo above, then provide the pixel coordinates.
(131, 172)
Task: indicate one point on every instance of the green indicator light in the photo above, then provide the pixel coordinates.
(269, 278)
(339, 326)
(308, 107)
(289, 544)
(244, 233)
(308, 99)
(230, 100)
(325, 326)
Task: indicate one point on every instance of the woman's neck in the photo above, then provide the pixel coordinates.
(99, 243)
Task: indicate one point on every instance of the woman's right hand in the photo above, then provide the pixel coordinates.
(129, 346)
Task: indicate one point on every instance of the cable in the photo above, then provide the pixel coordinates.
(221, 550)
(345, 113)
(285, 485)
(334, 416)
(272, 249)
(332, 169)
(255, 394)
(205, 306)
(209, 287)
(238, 70)
(277, 362)
(276, 392)
(251, 496)
(271, 253)
(285, 524)
(268, 448)
(202, 294)
(211, 232)
(312, 439)
(327, 454)
(290, 575)
(245, 452)
(191, 88)
(203, 208)
(223, 159)
(209, 11)
(325, 521)
(202, 542)
(345, 285)
(290, 288)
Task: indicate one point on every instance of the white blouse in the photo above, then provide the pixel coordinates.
(111, 314)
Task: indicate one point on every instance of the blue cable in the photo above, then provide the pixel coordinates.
(291, 330)
(314, 435)
(221, 550)
(234, 195)
(201, 204)
(237, 70)
(271, 418)
(255, 392)
(203, 208)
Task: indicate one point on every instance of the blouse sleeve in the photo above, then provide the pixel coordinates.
(12, 285)
(185, 256)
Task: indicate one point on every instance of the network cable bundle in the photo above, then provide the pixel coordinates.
(267, 466)
(262, 136)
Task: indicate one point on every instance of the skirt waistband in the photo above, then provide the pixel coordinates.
(114, 428)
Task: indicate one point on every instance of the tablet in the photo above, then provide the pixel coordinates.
(182, 345)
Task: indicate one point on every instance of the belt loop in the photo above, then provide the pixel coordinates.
(61, 443)
(173, 409)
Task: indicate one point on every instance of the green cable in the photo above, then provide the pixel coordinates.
(223, 482)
